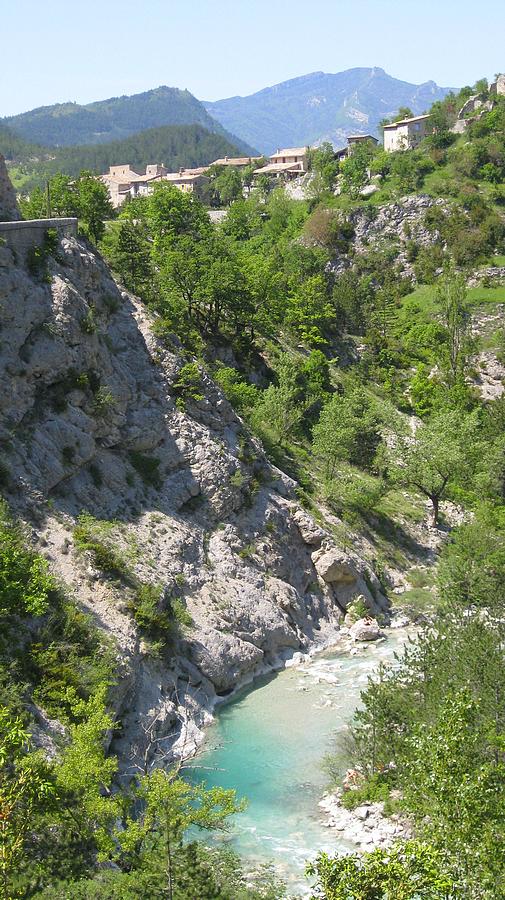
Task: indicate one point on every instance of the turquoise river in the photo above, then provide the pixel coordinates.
(268, 743)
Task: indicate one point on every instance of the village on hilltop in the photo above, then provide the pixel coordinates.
(123, 181)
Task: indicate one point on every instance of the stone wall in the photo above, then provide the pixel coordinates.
(9, 211)
(23, 236)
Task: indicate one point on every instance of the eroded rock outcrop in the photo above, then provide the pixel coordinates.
(400, 223)
(366, 826)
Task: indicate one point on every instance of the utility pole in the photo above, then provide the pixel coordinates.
(48, 200)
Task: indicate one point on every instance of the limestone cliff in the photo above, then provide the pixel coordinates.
(395, 224)
(89, 398)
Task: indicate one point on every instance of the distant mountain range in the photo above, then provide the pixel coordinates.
(321, 107)
(170, 125)
(69, 124)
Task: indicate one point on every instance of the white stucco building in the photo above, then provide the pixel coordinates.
(406, 134)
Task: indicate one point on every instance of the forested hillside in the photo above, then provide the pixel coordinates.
(174, 145)
(67, 124)
(274, 428)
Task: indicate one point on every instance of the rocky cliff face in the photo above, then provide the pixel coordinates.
(89, 421)
(393, 224)
(9, 211)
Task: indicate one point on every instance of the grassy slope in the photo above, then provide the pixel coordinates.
(424, 295)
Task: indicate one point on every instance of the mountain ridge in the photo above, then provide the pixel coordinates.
(115, 118)
(318, 106)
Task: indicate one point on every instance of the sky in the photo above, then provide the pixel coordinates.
(54, 50)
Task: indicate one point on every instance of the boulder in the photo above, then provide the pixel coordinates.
(369, 189)
(366, 630)
(311, 533)
(362, 812)
(334, 567)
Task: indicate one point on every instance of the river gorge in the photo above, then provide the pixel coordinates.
(269, 743)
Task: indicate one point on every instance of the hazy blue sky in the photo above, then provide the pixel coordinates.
(56, 50)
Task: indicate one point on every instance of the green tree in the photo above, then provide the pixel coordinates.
(242, 395)
(471, 571)
(355, 168)
(442, 452)
(281, 407)
(127, 249)
(321, 161)
(25, 581)
(25, 784)
(227, 185)
(383, 311)
(310, 311)
(454, 780)
(243, 219)
(349, 429)
(403, 872)
(171, 214)
(353, 296)
(451, 298)
(426, 393)
(264, 284)
(169, 806)
(85, 773)
(93, 205)
(315, 373)
(59, 198)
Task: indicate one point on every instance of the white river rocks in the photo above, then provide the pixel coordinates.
(366, 826)
(87, 397)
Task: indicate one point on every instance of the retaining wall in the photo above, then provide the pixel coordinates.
(22, 236)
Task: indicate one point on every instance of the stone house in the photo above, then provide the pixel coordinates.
(237, 162)
(406, 134)
(123, 181)
(286, 164)
(119, 187)
(285, 170)
(291, 156)
(187, 182)
(354, 140)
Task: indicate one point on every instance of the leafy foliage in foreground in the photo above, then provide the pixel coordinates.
(433, 727)
(60, 817)
(406, 871)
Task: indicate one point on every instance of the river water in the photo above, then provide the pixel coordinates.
(269, 742)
